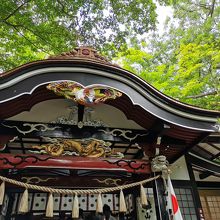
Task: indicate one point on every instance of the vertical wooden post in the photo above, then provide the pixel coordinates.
(159, 198)
(198, 205)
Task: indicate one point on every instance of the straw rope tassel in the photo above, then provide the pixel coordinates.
(99, 205)
(122, 205)
(143, 196)
(49, 210)
(23, 206)
(75, 211)
(2, 192)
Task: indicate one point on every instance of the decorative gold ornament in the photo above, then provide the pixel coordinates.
(89, 95)
(84, 148)
(127, 134)
(36, 179)
(109, 181)
(82, 52)
(32, 127)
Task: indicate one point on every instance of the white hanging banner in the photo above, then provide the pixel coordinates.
(172, 201)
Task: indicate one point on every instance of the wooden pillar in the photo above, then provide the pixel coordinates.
(159, 198)
(198, 205)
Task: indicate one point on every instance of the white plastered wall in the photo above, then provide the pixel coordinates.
(179, 170)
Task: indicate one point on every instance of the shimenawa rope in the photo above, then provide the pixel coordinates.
(77, 191)
(23, 208)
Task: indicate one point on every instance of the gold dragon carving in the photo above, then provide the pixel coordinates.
(84, 148)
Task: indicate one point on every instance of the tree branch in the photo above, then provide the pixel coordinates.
(212, 8)
(201, 95)
(39, 36)
(17, 9)
(26, 38)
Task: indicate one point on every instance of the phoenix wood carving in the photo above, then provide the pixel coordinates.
(89, 95)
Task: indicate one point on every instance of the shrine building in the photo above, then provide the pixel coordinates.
(77, 127)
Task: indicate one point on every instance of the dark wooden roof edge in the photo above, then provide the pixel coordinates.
(204, 163)
(7, 76)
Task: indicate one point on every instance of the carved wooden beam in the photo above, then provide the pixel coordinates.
(22, 161)
(33, 129)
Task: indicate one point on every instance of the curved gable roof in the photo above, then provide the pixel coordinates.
(86, 67)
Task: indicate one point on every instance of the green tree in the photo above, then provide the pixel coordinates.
(31, 29)
(184, 62)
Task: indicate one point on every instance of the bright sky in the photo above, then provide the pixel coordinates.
(163, 12)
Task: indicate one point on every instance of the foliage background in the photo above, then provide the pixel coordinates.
(182, 62)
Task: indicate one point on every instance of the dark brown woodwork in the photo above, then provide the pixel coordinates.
(170, 146)
(104, 66)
